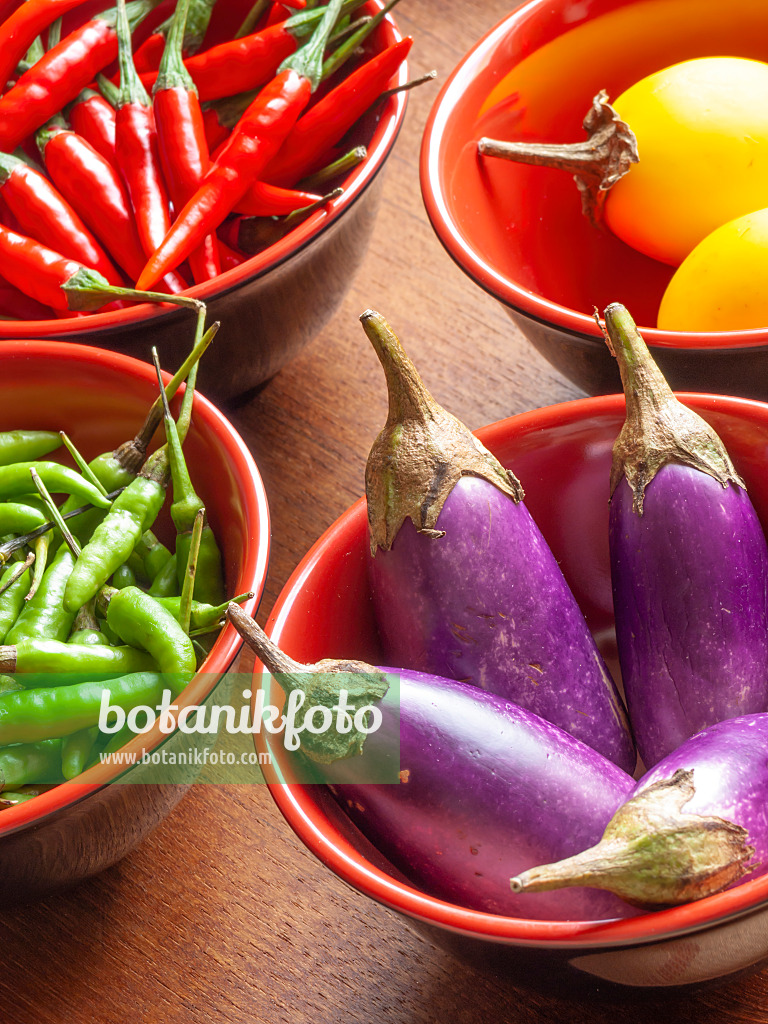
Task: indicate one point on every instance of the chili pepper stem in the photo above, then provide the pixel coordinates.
(414, 83)
(9, 547)
(57, 517)
(252, 18)
(42, 545)
(350, 45)
(596, 164)
(341, 166)
(18, 572)
(131, 454)
(87, 290)
(187, 590)
(85, 469)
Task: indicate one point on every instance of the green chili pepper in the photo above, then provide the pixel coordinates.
(203, 615)
(90, 637)
(153, 553)
(209, 575)
(166, 583)
(123, 576)
(116, 469)
(15, 480)
(136, 564)
(140, 621)
(55, 658)
(75, 751)
(31, 715)
(209, 578)
(134, 510)
(9, 685)
(12, 600)
(18, 517)
(44, 615)
(109, 744)
(30, 762)
(26, 445)
(10, 797)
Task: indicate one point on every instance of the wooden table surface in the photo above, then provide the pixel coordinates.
(222, 915)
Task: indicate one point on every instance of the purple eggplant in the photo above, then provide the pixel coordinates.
(483, 783)
(696, 823)
(689, 564)
(464, 585)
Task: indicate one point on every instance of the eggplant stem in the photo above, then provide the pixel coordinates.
(596, 164)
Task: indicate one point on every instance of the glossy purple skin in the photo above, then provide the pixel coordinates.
(488, 604)
(690, 589)
(730, 776)
(487, 790)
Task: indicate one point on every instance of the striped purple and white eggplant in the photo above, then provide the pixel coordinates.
(689, 563)
(696, 823)
(483, 783)
(464, 584)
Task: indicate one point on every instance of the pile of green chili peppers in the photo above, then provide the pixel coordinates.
(90, 598)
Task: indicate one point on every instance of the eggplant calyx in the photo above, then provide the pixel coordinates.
(421, 453)
(321, 685)
(596, 164)
(658, 429)
(652, 854)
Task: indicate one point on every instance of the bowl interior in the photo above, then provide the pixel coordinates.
(562, 456)
(519, 230)
(100, 398)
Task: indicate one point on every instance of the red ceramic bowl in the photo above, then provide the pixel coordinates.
(277, 301)
(100, 398)
(518, 231)
(562, 455)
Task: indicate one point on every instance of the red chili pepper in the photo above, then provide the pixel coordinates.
(43, 214)
(229, 257)
(61, 74)
(95, 190)
(35, 269)
(221, 116)
(15, 305)
(264, 200)
(62, 283)
(306, 148)
(243, 64)
(238, 65)
(147, 57)
(279, 12)
(19, 31)
(224, 16)
(93, 119)
(260, 133)
(136, 147)
(228, 179)
(181, 139)
(7, 7)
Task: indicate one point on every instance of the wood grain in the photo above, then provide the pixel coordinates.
(222, 916)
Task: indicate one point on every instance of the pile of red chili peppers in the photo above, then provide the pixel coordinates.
(143, 153)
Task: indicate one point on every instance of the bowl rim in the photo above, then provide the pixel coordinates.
(208, 419)
(503, 288)
(308, 821)
(320, 221)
